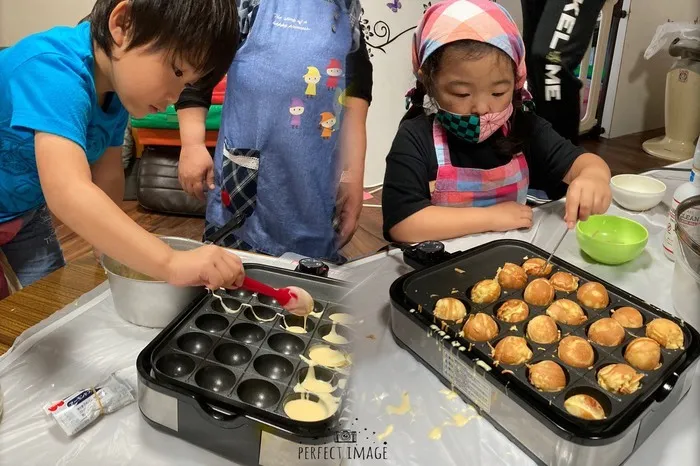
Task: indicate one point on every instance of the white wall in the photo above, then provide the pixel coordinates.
(639, 100)
(391, 57)
(19, 18)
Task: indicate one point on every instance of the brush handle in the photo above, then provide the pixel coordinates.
(282, 296)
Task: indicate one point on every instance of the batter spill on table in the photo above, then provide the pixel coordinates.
(456, 420)
(449, 394)
(403, 408)
(435, 434)
(387, 432)
(460, 420)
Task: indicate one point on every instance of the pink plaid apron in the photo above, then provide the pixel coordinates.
(472, 187)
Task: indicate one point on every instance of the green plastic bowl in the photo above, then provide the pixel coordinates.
(610, 239)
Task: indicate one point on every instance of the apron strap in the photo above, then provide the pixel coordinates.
(442, 151)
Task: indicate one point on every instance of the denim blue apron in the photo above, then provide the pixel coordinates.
(277, 162)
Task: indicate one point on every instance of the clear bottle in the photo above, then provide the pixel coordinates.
(684, 191)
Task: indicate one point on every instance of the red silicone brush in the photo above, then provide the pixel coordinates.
(293, 299)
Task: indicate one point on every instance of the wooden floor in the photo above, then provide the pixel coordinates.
(623, 154)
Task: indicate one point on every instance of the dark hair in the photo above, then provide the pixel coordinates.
(203, 33)
(471, 50)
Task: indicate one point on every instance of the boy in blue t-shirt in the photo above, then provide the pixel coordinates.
(65, 97)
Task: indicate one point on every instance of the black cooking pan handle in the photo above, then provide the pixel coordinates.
(226, 420)
(220, 234)
(667, 388)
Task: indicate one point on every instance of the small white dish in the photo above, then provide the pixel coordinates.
(637, 192)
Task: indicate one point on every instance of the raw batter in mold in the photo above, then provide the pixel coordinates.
(294, 328)
(226, 308)
(334, 337)
(311, 383)
(306, 410)
(259, 319)
(328, 357)
(342, 318)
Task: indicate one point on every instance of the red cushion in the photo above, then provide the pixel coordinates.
(217, 98)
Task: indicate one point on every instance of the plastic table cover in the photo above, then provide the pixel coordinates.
(85, 342)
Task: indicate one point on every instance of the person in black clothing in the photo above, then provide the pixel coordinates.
(293, 119)
(556, 35)
(466, 168)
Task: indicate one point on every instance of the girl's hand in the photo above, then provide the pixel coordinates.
(510, 215)
(349, 208)
(209, 266)
(587, 195)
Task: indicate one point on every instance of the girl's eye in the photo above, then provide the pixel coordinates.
(462, 95)
(498, 94)
(178, 72)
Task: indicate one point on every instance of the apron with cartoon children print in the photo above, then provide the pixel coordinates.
(276, 164)
(472, 187)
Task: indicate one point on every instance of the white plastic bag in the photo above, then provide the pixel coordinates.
(667, 32)
(80, 409)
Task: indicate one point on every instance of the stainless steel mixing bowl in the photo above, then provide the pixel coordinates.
(149, 303)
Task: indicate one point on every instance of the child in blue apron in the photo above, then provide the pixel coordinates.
(467, 168)
(274, 179)
(65, 98)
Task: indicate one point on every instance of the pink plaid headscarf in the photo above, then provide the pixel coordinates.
(480, 20)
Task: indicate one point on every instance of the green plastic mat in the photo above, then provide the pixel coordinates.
(168, 119)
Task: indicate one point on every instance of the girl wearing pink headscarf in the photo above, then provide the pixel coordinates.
(464, 163)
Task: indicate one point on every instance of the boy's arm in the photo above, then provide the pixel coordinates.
(70, 193)
(108, 174)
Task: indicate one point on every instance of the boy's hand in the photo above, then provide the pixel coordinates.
(588, 194)
(349, 208)
(196, 170)
(510, 216)
(209, 266)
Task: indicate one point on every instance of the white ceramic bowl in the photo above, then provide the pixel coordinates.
(637, 192)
